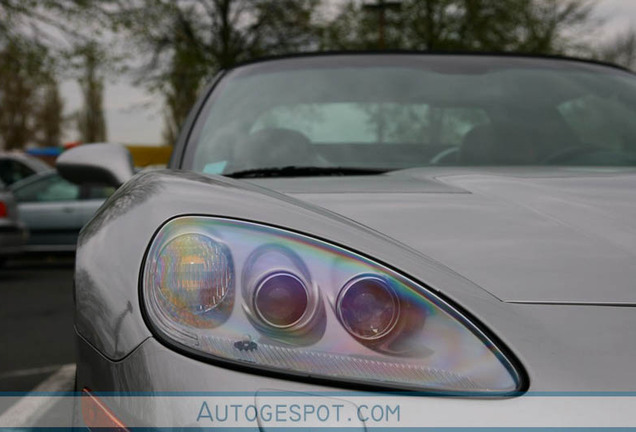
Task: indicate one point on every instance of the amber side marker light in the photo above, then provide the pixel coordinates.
(97, 416)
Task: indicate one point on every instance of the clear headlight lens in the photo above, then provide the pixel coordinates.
(281, 300)
(309, 308)
(368, 308)
(193, 280)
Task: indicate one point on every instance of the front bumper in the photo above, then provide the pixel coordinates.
(155, 386)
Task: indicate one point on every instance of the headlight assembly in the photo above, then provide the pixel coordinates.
(271, 299)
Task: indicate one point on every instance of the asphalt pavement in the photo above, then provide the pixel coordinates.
(36, 320)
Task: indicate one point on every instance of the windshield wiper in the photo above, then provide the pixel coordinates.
(305, 171)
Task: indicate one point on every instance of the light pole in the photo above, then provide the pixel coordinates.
(381, 7)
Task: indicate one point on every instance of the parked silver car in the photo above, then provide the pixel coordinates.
(54, 210)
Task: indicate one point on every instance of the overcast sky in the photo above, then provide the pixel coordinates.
(134, 116)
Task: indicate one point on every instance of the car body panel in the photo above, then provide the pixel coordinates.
(563, 349)
(156, 368)
(56, 226)
(525, 236)
(54, 223)
(51, 224)
(574, 339)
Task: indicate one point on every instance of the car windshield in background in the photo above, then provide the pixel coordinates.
(386, 112)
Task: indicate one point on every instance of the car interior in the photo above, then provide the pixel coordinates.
(485, 119)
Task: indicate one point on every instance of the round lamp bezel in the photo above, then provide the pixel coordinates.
(394, 298)
(260, 286)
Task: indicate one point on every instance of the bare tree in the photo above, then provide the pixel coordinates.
(182, 43)
(37, 38)
(49, 119)
(23, 70)
(622, 50)
(183, 77)
(533, 26)
(91, 122)
(43, 22)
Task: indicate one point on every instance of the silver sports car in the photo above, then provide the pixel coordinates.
(454, 231)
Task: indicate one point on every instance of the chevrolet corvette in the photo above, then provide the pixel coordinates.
(458, 230)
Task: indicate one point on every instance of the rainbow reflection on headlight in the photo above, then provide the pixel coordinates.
(331, 314)
(193, 276)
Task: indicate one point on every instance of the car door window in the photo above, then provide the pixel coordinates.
(50, 189)
(12, 171)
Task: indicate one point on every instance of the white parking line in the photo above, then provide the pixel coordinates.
(29, 372)
(30, 408)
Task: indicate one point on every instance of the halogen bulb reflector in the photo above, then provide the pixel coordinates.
(194, 274)
(368, 307)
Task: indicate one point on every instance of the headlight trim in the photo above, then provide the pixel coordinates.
(511, 363)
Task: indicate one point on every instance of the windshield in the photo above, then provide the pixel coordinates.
(402, 111)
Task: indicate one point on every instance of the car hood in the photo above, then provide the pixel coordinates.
(563, 236)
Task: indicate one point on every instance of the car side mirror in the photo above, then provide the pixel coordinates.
(104, 163)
